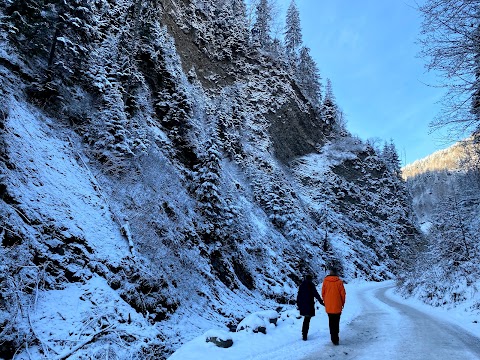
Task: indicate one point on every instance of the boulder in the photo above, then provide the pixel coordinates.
(220, 338)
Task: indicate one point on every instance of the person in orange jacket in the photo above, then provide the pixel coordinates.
(333, 294)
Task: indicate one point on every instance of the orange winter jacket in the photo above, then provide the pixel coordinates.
(333, 294)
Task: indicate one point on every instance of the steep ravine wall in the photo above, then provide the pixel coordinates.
(162, 202)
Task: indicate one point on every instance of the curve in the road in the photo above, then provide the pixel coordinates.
(389, 330)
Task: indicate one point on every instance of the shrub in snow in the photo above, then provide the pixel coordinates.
(269, 315)
(258, 321)
(219, 337)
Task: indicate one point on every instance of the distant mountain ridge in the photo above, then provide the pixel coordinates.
(442, 174)
(452, 158)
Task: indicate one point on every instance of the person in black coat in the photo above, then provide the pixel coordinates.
(307, 293)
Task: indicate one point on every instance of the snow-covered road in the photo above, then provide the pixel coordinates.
(387, 329)
(376, 324)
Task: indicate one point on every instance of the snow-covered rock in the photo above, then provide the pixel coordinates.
(220, 338)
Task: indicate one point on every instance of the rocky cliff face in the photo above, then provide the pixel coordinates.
(156, 182)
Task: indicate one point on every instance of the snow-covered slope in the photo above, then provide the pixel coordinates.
(441, 175)
(445, 191)
(148, 196)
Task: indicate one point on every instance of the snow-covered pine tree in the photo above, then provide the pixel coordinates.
(231, 32)
(293, 33)
(386, 153)
(21, 21)
(329, 106)
(308, 78)
(230, 121)
(294, 228)
(262, 25)
(207, 181)
(276, 206)
(239, 10)
(112, 142)
(331, 113)
(282, 210)
(220, 212)
(391, 158)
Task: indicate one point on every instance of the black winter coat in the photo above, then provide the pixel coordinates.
(306, 298)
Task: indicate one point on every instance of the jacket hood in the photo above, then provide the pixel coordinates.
(332, 278)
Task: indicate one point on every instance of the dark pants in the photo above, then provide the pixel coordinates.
(334, 324)
(306, 326)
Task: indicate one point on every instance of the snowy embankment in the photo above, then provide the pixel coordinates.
(284, 340)
(69, 226)
(463, 315)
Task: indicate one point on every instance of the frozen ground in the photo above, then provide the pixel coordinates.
(376, 324)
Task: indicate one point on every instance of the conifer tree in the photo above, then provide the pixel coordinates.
(207, 181)
(262, 26)
(112, 144)
(52, 38)
(219, 210)
(308, 77)
(332, 114)
(230, 28)
(239, 10)
(59, 32)
(277, 206)
(293, 33)
(391, 158)
(329, 108)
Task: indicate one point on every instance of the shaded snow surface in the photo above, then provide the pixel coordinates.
(58, 188)
(76, 309)
(376, 324)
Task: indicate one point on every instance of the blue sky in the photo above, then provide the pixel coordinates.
(367, 48)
